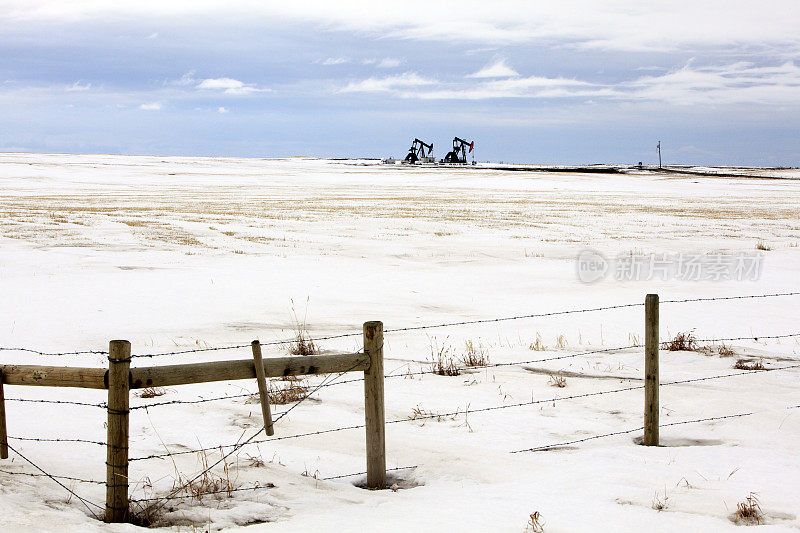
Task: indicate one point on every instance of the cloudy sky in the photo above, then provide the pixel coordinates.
(568, 81)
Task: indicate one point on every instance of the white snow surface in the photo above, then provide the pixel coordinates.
(175, 253)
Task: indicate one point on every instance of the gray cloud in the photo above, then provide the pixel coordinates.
(736, 83)
(624, 25)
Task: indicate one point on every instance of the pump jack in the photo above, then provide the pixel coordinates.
(417, 152)
(459, 153)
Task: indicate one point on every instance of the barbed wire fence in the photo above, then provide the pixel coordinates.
(468, 411)
(176, 494)
(481, 367)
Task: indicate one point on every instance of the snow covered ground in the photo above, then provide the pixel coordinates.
(178, 253)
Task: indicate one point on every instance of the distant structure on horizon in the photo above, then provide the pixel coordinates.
(417, 153)
(422, 153)
(659, 153)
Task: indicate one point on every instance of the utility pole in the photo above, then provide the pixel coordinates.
(659, 154)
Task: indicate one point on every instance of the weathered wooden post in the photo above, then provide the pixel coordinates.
(263, 391)
(3, 433)
(373, 406)
(651, 370)
(119, 364)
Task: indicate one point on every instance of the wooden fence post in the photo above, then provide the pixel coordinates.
(119, 363)
(263, 391)
(651, 370)
(3, 433)
(373, 406)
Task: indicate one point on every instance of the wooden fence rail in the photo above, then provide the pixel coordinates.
(119, 379)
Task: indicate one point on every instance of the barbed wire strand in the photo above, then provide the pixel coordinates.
(576, 441)
(38, 352)
(412, 328)
(85, 502)
(32, 439)
(480, 321)
(641, 428)
(730, 375)
(239, 346)
(223, 491)
(262, 441)
(194, 350)
(751, 338)
(201, 400)
(398, 330)
(589, 394)
(66, 478)
(84, 404)
(364, 473)
(744, 297)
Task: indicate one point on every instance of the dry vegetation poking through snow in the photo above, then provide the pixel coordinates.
(185, 253)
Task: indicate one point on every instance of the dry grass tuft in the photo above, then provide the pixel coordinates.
(557, 380)
(761, 245)
(660, 503)
(682, 342)
(535, 523)
(749, 511)
(561, 342)
(293, 390)
(209, 483)
(151, 514)
(446, 367)
(420, 413)
(255, 462)
(442, 360)
(313, 475)
(537, 346)
(142, 515)
(725, 351)
(151, 392)
(749, 364)
(289, 389)
(303, 344)
(474, 355)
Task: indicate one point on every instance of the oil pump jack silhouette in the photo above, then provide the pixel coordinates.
(459, 152)
(417, 152)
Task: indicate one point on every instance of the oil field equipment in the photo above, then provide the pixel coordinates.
(459, 153)
(416, 154)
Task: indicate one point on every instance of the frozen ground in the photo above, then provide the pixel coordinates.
(178, 253)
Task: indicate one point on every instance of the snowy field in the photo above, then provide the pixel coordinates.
(182, 253)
